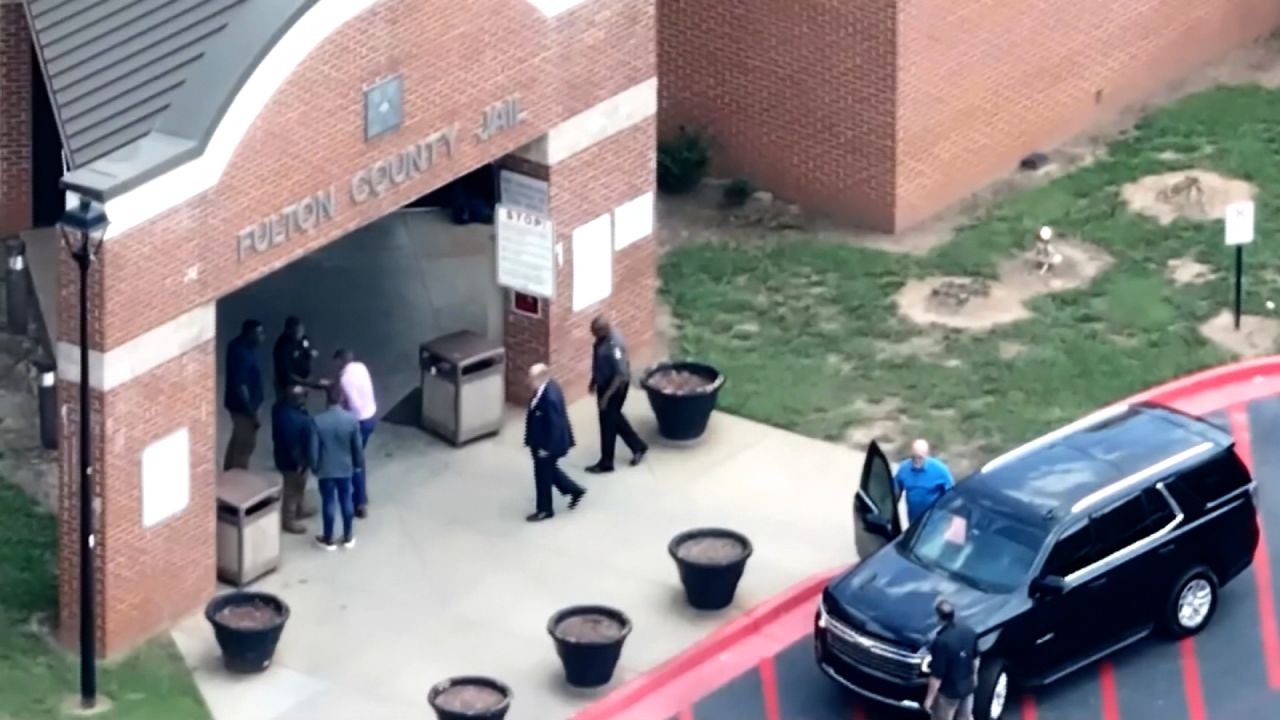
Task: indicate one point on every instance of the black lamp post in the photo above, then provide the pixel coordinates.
(83, 228)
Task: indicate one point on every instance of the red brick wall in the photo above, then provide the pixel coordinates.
(886, 111)
(15, 119)
(985, 82)
(309, 136)
(798, 96)
(584, 187)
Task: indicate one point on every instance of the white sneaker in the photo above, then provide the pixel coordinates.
(326, 545)
(349, 542)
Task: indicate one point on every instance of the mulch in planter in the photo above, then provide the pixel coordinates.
(470, 699)
(249, 616)
(679, 382)
(711, 550)
(590, 628)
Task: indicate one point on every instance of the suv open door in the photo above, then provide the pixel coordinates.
(875, 506)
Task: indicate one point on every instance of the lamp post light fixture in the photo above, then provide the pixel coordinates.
(83, 228)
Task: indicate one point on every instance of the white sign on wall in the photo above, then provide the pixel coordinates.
(524, 193)
(526, 251)
(633, 221)
(593, 262)
(166, 478)
(1239, 223)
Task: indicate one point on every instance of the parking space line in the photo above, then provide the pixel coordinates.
(1267, 630)
(769, 689)
(1107, 688)
(1192, 690)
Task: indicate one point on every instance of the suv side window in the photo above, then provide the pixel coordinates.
(1212, 481)
(1130, 521)
(1072, 552)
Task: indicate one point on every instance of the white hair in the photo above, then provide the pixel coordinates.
(537, 371)
(1046, 233)
(920, 447)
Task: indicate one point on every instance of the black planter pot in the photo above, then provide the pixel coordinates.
(589, 663)
(683, 416)
(246, 650)
(710, 585)
(446, 713)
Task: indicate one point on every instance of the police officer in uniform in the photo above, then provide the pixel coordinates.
(610, 378)
(292, 357)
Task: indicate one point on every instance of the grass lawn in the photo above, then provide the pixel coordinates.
(152, 684)
(805, 331)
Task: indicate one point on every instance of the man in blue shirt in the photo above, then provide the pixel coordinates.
(923, 479)
(243, 395)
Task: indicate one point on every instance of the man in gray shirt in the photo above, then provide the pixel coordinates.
(337, 454)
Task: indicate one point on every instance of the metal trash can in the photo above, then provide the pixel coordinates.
(248, 526)
(463, 386)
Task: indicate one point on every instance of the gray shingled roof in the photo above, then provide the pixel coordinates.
(115, 66)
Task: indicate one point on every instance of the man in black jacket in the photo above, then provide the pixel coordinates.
(953, 671)
(291, 357)
(549, 437)
(291, 434)
(243, 395)
(610, 379)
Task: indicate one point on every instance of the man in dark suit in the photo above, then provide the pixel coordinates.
(549, 437)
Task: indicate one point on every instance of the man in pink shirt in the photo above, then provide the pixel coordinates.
(357, 394)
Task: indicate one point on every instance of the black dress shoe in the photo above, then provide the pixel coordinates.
(599, 469)
(576, 498)
(540, 516)
(639, 457)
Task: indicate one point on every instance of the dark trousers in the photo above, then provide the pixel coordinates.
(337, 491)
(359, 488)
(612, 424)
(546, 475)
(244, 440)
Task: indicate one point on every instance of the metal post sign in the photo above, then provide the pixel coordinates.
(1238, 233)
(526, 251)
(1239, 223)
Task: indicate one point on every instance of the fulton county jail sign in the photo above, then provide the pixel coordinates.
(372, 182)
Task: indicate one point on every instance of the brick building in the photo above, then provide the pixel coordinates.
(228, 138)
(887, 111)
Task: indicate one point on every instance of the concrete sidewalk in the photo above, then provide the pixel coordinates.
(448, 579)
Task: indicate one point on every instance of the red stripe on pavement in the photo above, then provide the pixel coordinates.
(1029, 708)
(1269, 633)
(769, 690)
(1107, 686)
(1191, 687)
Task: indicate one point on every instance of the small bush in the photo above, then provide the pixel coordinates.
(682, 161)
(738, 192)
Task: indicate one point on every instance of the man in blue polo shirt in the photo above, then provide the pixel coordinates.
(923, 479)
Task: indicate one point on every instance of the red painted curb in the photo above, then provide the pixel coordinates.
(726, 636)
(1175, 393)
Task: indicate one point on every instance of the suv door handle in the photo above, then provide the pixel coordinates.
(1166, 549)
(1096, 583)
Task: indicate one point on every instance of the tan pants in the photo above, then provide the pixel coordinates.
(295, 488)
(944, 708)
(244, 439)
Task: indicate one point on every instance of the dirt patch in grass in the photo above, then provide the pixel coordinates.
(1257, 336)
(1186, 271)
(1186, 195)
(979, 304)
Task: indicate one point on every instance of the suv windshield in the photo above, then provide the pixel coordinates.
(975, 543)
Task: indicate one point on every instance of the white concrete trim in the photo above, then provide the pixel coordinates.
(203, 173)
(141, 354)
(620, 112)
(552, 8)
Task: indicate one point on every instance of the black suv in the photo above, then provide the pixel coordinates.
(1057, 553)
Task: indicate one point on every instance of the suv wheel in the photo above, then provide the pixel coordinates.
(1191, 604)
(991, 696)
